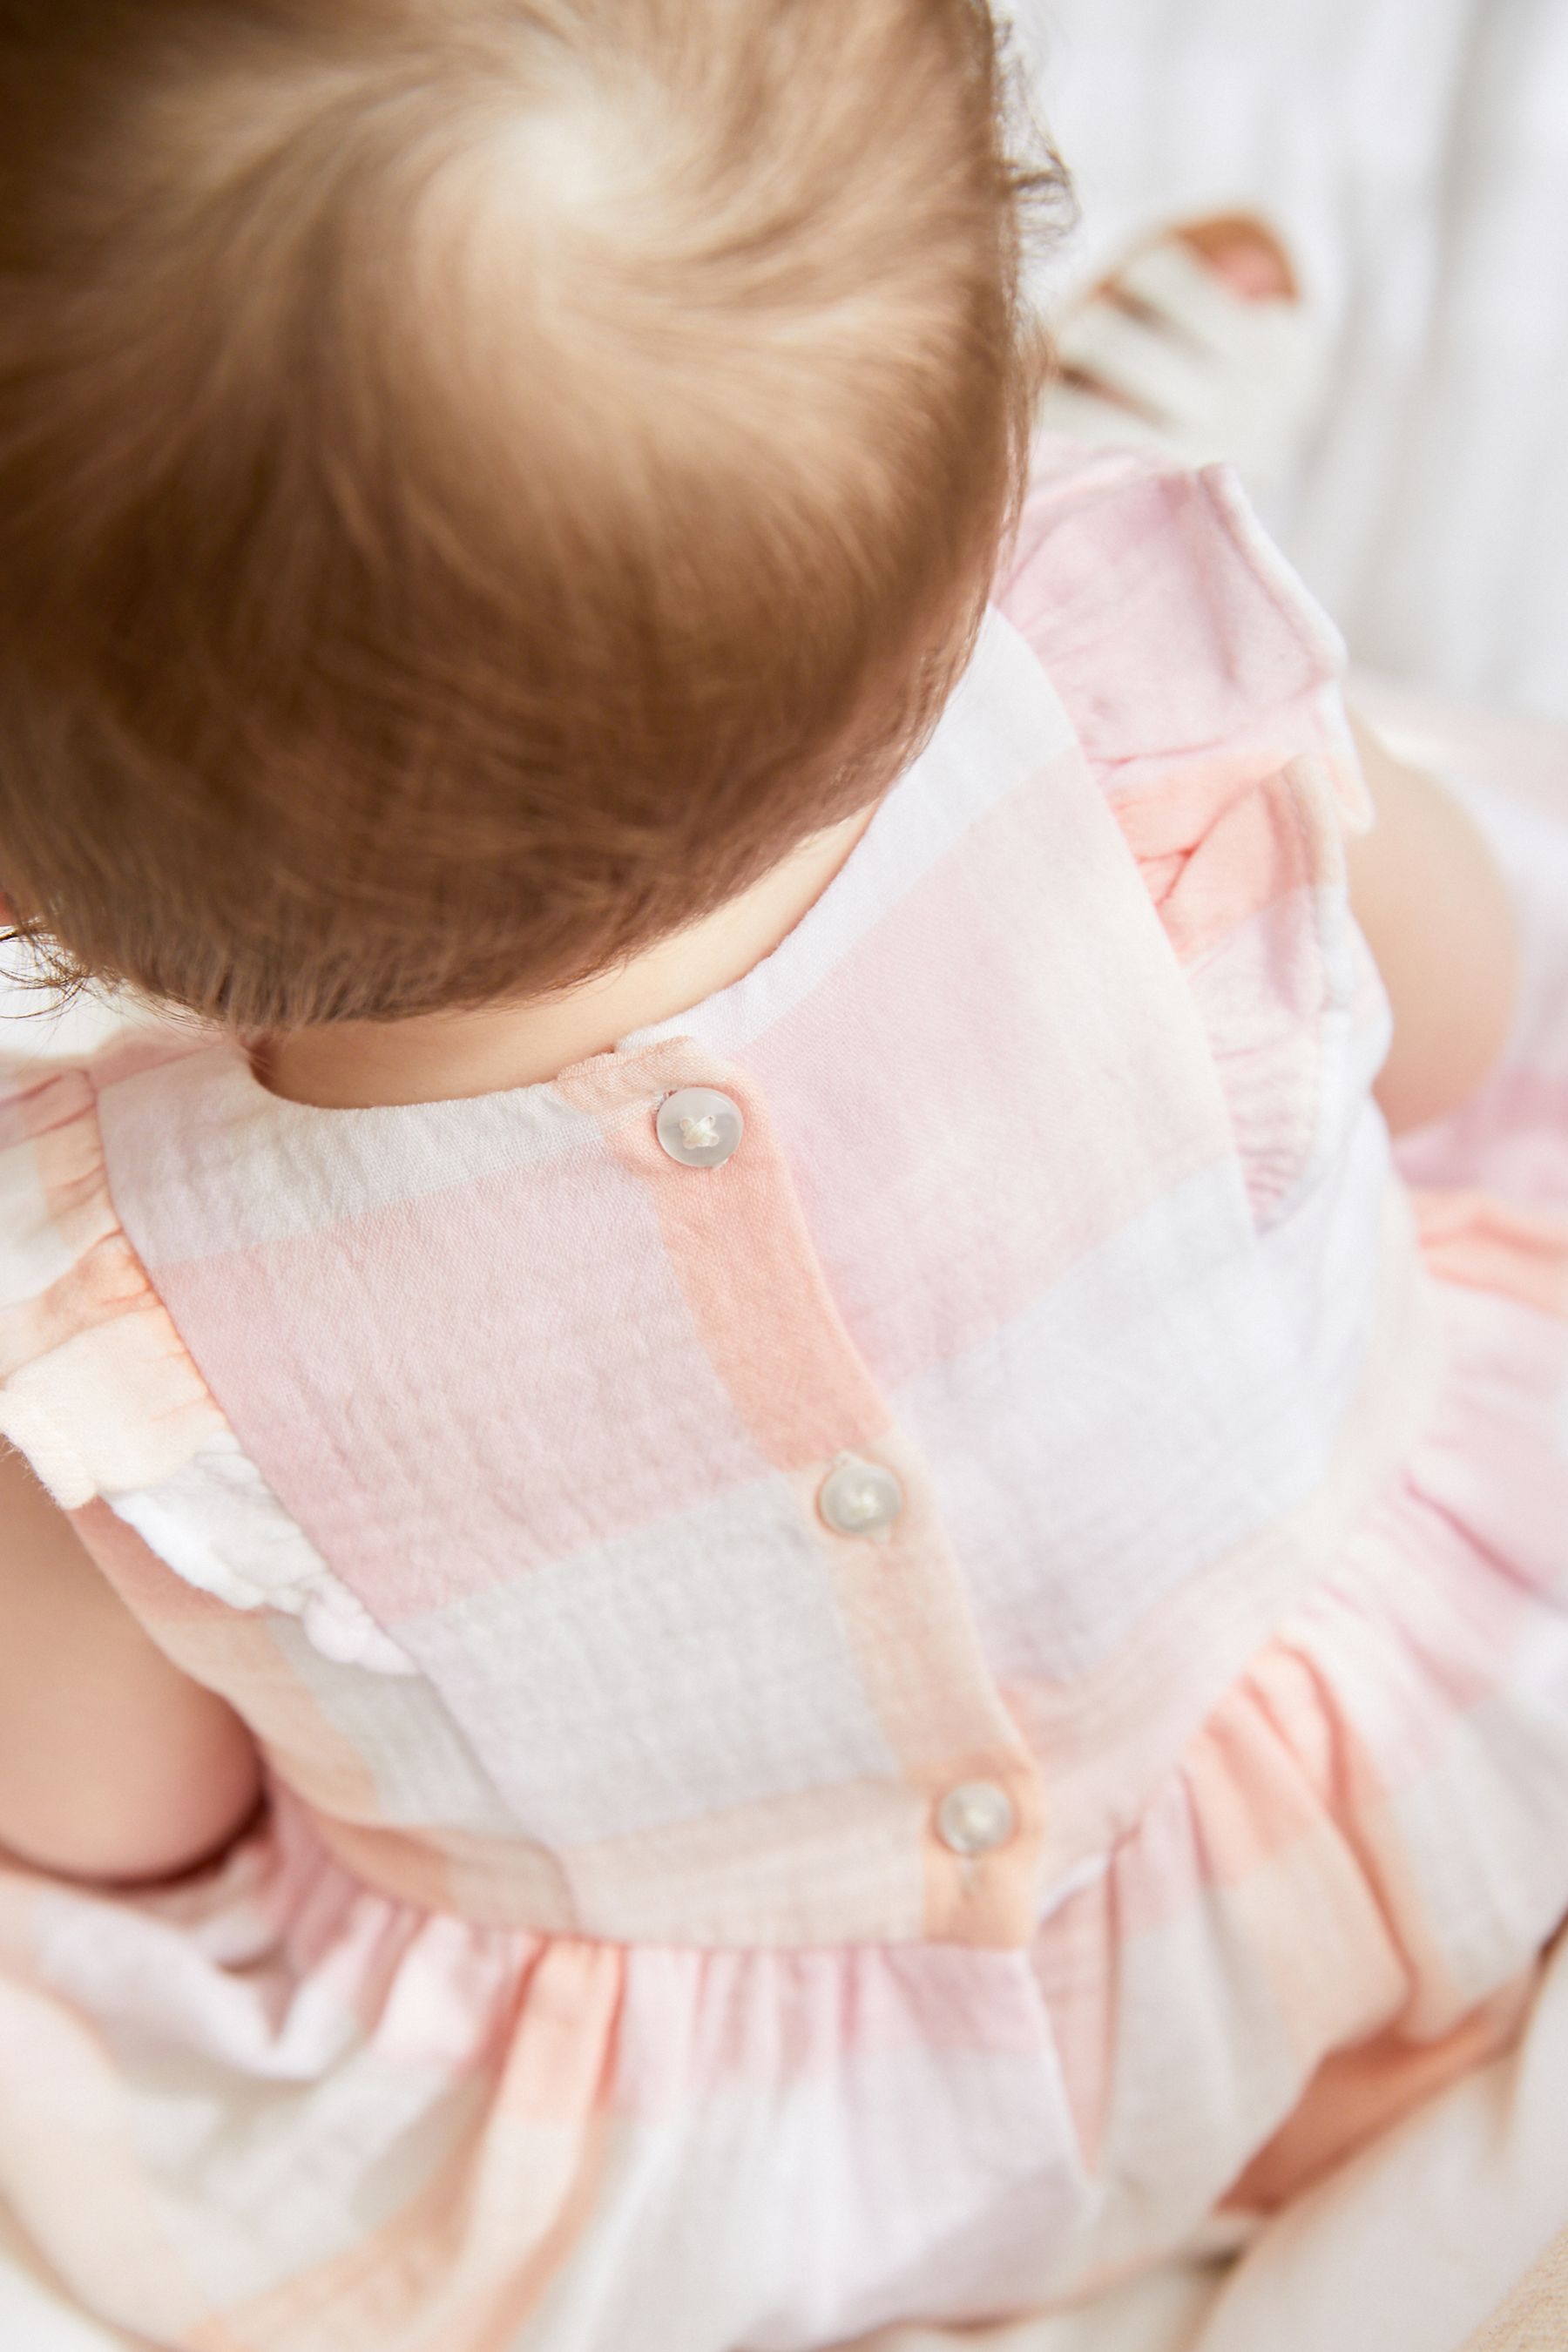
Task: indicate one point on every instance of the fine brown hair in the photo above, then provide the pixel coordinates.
(481, 481)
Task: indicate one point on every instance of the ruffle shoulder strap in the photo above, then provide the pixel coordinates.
(100, 1393)
(1205, 685)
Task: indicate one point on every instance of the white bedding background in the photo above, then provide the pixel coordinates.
(1415, 154)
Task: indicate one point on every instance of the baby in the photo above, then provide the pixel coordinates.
(768, 1579)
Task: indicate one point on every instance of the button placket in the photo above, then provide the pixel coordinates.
(743, 1253)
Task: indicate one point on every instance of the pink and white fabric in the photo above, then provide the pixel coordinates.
(689, 1916)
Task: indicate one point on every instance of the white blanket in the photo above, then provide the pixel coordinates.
(1415, 151)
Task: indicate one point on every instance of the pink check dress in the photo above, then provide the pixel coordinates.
(904, 1633)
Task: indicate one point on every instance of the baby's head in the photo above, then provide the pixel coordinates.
(481, 481)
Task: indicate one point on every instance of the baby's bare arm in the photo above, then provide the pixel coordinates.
(113, 1765)
(1438, 918)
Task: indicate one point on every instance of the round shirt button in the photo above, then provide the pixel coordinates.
(699, 1127)
(859, 1498)
(975, 1818)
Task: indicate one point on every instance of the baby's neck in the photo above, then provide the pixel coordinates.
(439, 1056)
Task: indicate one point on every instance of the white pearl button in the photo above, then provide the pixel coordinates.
(699, 1127)
(859, 1498)
(975, 1818)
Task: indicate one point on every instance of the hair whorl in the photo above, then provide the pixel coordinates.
(479, 479)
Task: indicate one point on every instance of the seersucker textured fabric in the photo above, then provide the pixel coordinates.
(870, 1716)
